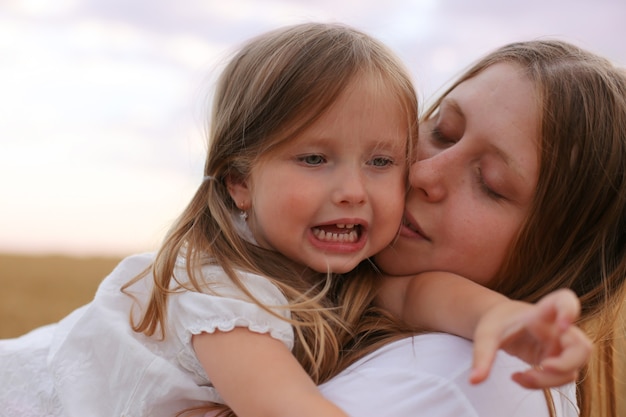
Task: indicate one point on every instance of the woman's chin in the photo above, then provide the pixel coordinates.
(393, 262)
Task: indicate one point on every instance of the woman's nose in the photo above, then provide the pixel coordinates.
(428, 177)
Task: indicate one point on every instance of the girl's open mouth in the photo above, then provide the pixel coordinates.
(341, 233)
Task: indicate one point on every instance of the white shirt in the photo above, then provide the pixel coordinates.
(427, 376)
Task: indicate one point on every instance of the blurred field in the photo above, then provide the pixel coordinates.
(39, 290)
(42, 289)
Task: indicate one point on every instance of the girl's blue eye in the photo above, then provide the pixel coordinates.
(381, 161)
(312, 159)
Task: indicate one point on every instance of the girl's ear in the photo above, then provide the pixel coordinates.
(239, 191)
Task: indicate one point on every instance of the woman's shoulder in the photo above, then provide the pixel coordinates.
(429, 373)
(438, 355)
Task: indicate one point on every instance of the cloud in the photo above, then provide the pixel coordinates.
(104, 101)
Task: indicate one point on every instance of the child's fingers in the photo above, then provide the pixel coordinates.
(576, 350)
(542, 335)
(481, 365)
(561, 369)
(564, 304)
(552, 319)
(487, 341)
(537, 378)
(486, 345)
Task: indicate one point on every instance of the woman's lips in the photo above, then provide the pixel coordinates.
(410, 228)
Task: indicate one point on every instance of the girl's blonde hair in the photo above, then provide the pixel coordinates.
(575, 233)
(274, 87)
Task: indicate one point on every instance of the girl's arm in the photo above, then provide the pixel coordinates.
(258, 376)
(541, 334)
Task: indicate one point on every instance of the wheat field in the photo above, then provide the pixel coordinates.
(38, 290)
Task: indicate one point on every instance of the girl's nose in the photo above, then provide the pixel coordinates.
(350, 189)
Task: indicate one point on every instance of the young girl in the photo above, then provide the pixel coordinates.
(305, 178)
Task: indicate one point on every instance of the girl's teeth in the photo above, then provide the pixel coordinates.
(350, 237)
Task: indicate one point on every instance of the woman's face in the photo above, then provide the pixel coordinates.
(474, 178)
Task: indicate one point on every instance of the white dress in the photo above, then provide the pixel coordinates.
(427, 376)
(93, 364)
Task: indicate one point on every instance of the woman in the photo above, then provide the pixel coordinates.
(520, 185)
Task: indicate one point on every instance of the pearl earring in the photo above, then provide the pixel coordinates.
(243, 214)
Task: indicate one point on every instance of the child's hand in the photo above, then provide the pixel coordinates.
(541, 334)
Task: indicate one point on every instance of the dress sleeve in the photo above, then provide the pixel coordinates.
(101, 367)
(191, 313)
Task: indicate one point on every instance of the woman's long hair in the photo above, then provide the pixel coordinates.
(575, 233)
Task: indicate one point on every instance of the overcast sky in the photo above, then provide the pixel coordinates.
(102, 102)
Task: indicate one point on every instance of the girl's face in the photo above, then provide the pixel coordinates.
(334, 195)
(474, 178)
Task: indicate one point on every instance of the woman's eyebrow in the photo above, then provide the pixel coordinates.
(450, 104)
(508, 161)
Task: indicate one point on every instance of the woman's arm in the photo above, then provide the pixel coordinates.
(258, 376)
(540, 334)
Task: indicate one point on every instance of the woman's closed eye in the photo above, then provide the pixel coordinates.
(441, 139)
(480, 179)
